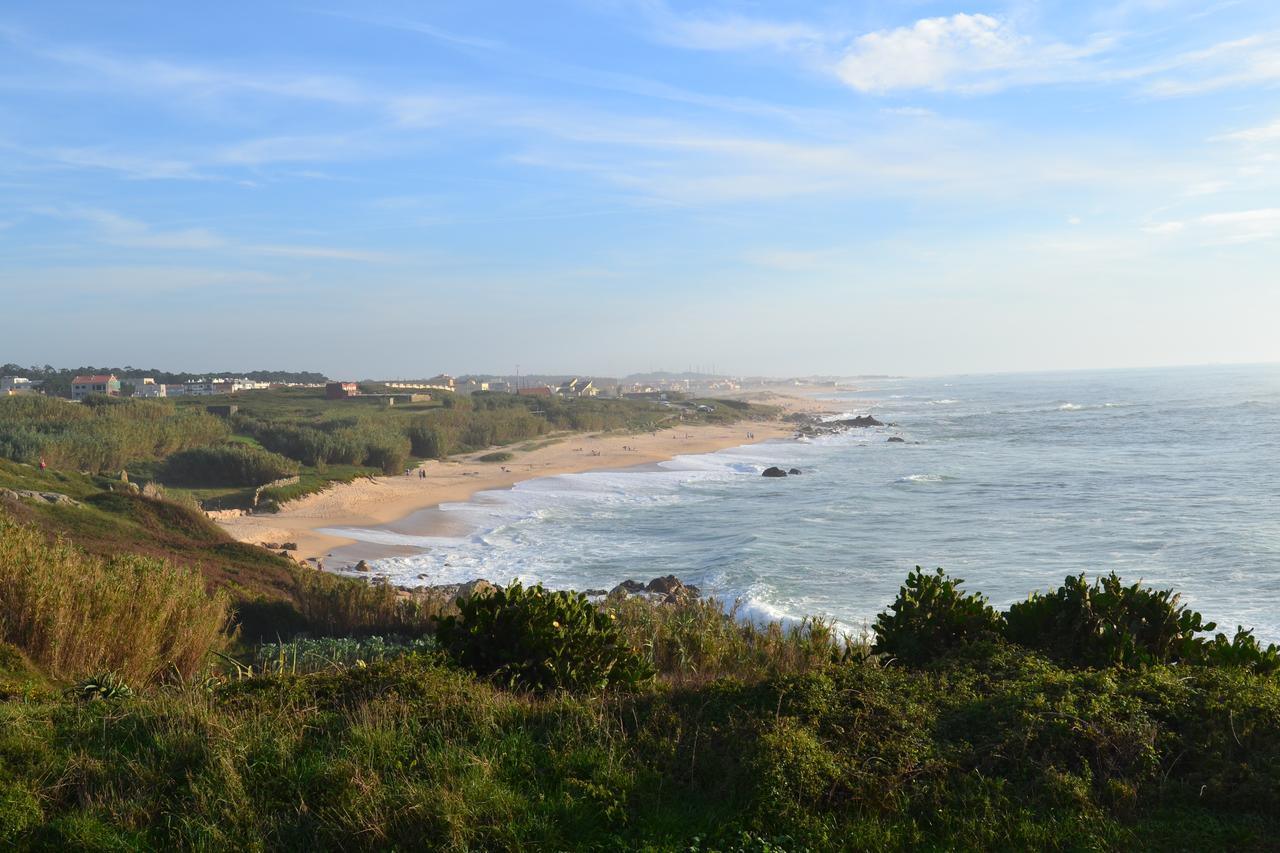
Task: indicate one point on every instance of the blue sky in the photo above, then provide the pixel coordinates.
(605, 186)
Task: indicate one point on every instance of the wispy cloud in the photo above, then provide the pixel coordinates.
(123, 231)
(1250, 61)
(320, 252)
(1245, 226)
(114, 229)
(420, 28)
(731, 32)
(130, 165)
(1266, 133)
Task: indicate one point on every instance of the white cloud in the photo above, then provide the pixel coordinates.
(967, 53)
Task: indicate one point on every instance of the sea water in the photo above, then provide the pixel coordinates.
(1011, 482)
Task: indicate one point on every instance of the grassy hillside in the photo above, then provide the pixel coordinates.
(269, 595)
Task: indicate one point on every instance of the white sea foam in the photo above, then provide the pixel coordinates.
(923, 478)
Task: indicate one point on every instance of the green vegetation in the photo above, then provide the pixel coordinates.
(102, 434)
(540, 640)
(499, 456)
(235, 464)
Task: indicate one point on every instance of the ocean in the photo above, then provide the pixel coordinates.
(1011, 481)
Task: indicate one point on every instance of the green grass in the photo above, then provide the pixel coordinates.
(499, 456)
(998, 751)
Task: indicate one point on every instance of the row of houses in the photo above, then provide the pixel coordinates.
(146, 387)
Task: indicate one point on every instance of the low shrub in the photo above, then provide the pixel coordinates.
(334, 653)
(931, 616)
(103, 686)
(499, 456)
(530, 638)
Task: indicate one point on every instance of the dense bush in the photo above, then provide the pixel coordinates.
(531, 638)
(1106, 623)
(226, 465)
(1243, 651)
(930, 616)
(103, 434)
(339, 441)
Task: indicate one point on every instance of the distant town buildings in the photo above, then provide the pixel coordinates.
(535, 391)
(13, 385)
(105, 383)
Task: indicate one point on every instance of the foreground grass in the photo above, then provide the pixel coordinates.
(995, 749)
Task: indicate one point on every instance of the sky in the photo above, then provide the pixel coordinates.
(390, 189)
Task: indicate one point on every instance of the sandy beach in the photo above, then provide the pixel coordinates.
(381, 500)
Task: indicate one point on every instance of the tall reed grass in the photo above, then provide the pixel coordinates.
(75, 614)
(335, 606)
(702, 639)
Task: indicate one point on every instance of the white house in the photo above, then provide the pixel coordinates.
(147, 388)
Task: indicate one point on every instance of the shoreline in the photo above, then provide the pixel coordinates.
(380, 502)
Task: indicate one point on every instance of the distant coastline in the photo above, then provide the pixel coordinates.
(380, 501)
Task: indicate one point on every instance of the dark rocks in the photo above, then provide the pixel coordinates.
(773, 472)
(362, 566)
(859, 421)
(672, 586)
(270, 546)
(897, 439)
(813, 426)
(627, 587)
(793, 472)
(289, 546)
(664, 590)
